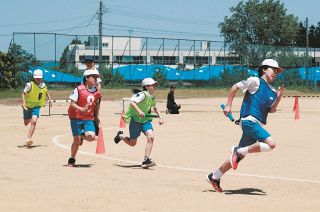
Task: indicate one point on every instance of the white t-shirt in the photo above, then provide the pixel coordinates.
(75, 94)
(28, 86)
(251, 85)
(139, 97)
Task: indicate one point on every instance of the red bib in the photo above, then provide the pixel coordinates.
(87, 100)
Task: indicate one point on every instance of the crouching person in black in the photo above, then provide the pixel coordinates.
(172, 106)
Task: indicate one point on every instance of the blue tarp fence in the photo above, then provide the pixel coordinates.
(139, 72)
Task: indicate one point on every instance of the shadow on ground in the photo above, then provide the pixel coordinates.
(243, 191)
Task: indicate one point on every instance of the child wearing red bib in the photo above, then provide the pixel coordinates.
(84, 111)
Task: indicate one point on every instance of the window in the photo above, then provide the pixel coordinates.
(167, 60)
(197, 60)
(105, 59)
(227, 60)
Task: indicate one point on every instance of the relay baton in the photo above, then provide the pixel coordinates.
(229, 114)
(151, 115)
(24, 107)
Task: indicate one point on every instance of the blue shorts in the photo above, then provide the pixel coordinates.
(31, 112)
(252, 132)
(79, 127)
(136, 128)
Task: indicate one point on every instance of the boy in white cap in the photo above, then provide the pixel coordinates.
(137, 114)
(84, 111)
(33, 98)
(259, 100)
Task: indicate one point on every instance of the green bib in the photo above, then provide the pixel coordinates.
(145, 106)
(36, 97)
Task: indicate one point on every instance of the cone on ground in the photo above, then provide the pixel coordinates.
(296, 103)
(122, 124)
(100, 143)
(297, 111)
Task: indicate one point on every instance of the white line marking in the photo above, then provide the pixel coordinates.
(56, 139)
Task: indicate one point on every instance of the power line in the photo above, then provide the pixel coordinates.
(43, 22)
(160, 18)
(161, 31)
(69, 28)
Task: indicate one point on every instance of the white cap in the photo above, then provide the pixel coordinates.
(91, 72)
(148, 81)
(271, 63)
(38, 73)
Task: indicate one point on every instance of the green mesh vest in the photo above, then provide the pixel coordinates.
(145, 106)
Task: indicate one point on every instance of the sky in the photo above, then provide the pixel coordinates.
(189, 19)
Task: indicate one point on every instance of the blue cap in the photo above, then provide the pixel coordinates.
(88, 58)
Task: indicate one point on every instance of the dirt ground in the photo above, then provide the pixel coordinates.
(186, 148)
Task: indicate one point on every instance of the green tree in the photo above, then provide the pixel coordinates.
(63, 59)
(256, 30)
(110, 79)
(314, 36)
(12, 64)
(159, 77)
(21, 58)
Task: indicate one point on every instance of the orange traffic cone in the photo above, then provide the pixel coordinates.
(122, 123)
(100, 143)
(296, 103)
(297, 112)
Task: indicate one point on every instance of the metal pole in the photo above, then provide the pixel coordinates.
(147, 54)
(194, 54)
(55, 59)
(162, 51)
(111, 54)
(314, 70)
(100, 32)
(307, 53)
(34, 45)
(179, 51)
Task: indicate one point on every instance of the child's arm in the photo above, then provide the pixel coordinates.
(49, 98)
(231, 95)
(158, 113)
(75, 106)
(273, 108)
(23, 99)
(96, 112)
(135, 106)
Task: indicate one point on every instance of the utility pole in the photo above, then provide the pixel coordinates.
(307, 52)
(101, 11)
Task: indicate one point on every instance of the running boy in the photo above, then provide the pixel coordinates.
(33, 98)
(89, 62)
(84, 111)
(139, 108)
(259, 100)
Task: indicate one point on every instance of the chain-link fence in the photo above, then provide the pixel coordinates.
(179, 61)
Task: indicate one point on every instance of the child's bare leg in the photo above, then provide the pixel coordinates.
(26, 122)
(265, 146)
(149, 145)
(89, 136)
(75, 146)
(32, 126)
(127, 140)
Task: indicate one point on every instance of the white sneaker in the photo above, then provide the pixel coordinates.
(29, 142)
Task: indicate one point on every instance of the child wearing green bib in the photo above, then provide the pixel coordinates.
(33, 98)
(137, 115)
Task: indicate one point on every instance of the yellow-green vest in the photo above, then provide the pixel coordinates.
(36, 97)
(145, 106)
